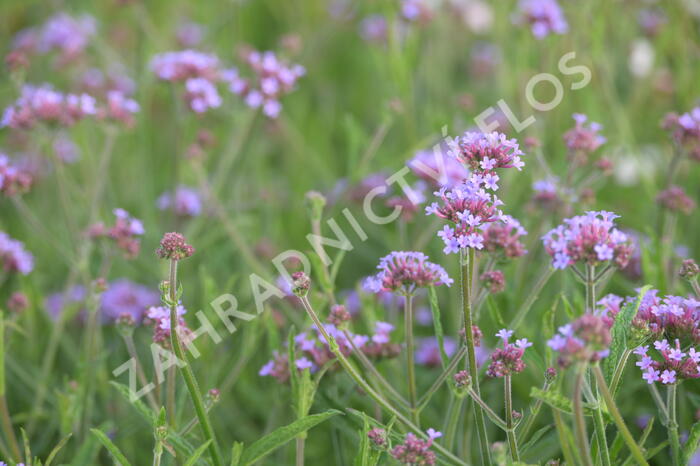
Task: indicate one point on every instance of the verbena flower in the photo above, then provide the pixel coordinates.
(271, 79)
(587, 339)
(125, 232)
(185, 202)
(427, 352)
(13, 178)
(675, 364)
(416, 10)
(472, 209)
(544, 17)
(201, 95)
(504, 237)
(374, 28)
(675, 199)
(185, 64)
(189, 34)
(56, 303)
(124, 296)
(508, 359)
(13, 256)
(485, 152)
(159, 317)
(672, 317)
(591, 238)
(426, 165)
(404, 272)
(44, 104)
(494, 281)
(584, 139)
(120, 108)
(174, 247)
(685, 130)
(415, 451)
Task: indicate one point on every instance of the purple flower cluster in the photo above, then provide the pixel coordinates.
(427, 351)
(675, 199)
(185, 202)
(685, 129)
(13, 256)
(126, 297)
(494, 281)
(591, 238)
(273, 78)
(504, 237)
(13, 179)
(485, 152)
(314, 351)
(429, 165)
(676, 364)
(125, 232)
(415, 451)
(201, 95)
(119, 108)
(159, 317)
(507, 360)
(543, 16)
(582, 138)
(44, 104)
(470, 208)
(185, 64)
(587, 339)
(63, 33)
(416, 10)
(404, 271)
(673, 317)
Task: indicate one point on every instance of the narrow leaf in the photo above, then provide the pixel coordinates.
(56, 449)
(118, 456)
(236, 453)
(691, 445)
(282, 435)
(197, 453)
(437, 323)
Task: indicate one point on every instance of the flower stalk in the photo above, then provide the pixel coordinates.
(510, 427)
(410, 363)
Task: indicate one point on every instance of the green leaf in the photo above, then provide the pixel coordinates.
(620, 333)
(282, 435)
(236, 453)
(197, 453)
(691, 445)
(118, 456)
(56, 449)
(556, 400)
(140, 406)
(437, 323)
(535, 438)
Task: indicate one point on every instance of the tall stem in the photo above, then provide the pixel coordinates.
(622, 427)
(300, 450)
(673, 438)
(590, 288)
(510, 428)
(410, 364)
(454, 413)
(581, 435)
(366, 387)
(187, 373)
(4, 411)
(467, 269)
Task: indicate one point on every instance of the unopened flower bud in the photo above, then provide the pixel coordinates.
(550, 374)
(462, 381)
(125, 323)
(100, 285)
(689, 269)
(300, 284)
(339, 315)
(174, 247)
(517, 415)
(378, 438)
(18, 302)
(213, 395)
(494, 281)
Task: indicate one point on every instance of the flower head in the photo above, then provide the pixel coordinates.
(674, 363)
(174, 247)
(585, 340)
(591, 238)
(485, 152)
(675, 199)
(508, 359)
(405, 271)
(185, 202)
(543, 16)
(13, 256)
(416, 451)
(582, 138)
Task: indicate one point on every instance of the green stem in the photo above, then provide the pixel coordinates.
(454, 413)
(423, 401)
(525, 429)
(300, 450)
(599, 426)
(580, 421)
(187, 373)
(500, 423)
(4, 411)
(673, 438)
(510, 428)
(410, 363)
(467, 269)
(171, 382)
(622, 427)
(619, 369)
(366, 387)
(367, 364)
(531, 298)
(562, 432)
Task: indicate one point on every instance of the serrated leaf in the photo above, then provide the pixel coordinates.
(620, 333)
(118, 456)
(280, 436)
(197, 453)
(437, 324)
(691, 445)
